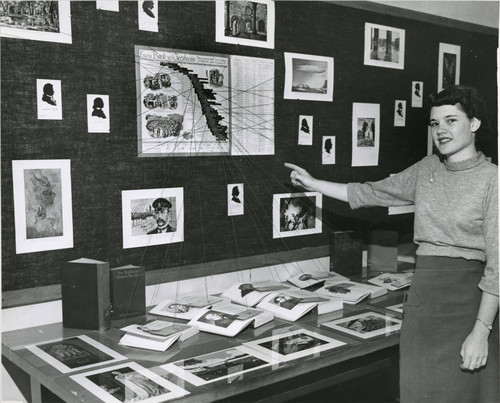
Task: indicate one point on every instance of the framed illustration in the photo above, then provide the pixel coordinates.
(212, 367)
(365, 134)
(42, 205)
(308, 77)
(75, 353)
(147, 12)
(36, 20)
(305, 130)
(248, 23)
(296, 214)
(384, 46)
(448, 65)
(328, 150)
(98, 113)
(417, 94)
(49, 99)
(235, 199)
(128, 382)
(152, 217)
(399, 112)
(366, 325)
(293, 344)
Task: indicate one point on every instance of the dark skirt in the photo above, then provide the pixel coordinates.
(439, 313)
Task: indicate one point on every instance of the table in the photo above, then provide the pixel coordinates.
(277, 382)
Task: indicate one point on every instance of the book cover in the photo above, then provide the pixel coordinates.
(85, 294)
(259, 316)
(221, 322)
(244, 294)
(392, 281)
(346, 252)
(183, 308)
(128, 292)
(351, 292)
(286, 306)
(307, 279)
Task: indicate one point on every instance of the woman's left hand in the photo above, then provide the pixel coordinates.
(474, 350)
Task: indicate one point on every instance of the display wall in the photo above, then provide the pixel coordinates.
(102, 59)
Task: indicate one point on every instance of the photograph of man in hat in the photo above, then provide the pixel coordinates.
(162, 215)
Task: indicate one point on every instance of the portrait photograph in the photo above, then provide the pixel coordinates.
(152, 217)
(308, 77)
(49, 99)
(448, 65)
(384, 46)
(128, 383)
(42, 205)
(48, 21)
(366, 325)
(75, 353)
(365, 134)
(247, 23)
(228, 364)
(98, 113)
(294, 344)
(296, 214)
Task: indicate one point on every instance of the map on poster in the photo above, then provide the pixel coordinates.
(192, 104)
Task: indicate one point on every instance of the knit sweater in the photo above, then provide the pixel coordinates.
(456, 208)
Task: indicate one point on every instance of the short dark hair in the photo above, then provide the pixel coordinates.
(471, 102)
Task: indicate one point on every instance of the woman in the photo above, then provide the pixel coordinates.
(447, 351)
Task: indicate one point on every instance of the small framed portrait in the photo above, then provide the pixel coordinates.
(365, 134)
(328, 150)
(297, 214)
(448, 66)
(148, 15)
(75, 353)
(128, 382)
(417, 94)
(49, 99)
(152, 217)
(308, 77)
(235, 199)
(399, 112)
(247, 23)
(42, 205)
(305, 130)
(51, 22)
(98, 113)
(229, 364)
(366, 325)
(294, 344)
(384, 46)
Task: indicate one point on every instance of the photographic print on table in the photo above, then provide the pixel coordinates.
(448, 65)
(98, 113)
(128, 382)
(366, 325)
(42, 205)
(365, 134)
(152, 217)
(384, 46)
(75, 353)
(293, 344)
(308, 77)
(49, 99)
(224, 364)
(248, 23)
(48, 21)
(296, 214)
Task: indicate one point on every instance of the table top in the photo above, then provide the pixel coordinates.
(320, 347)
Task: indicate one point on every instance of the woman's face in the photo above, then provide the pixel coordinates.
(453, 132)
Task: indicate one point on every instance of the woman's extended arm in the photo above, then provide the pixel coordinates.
(300, 177)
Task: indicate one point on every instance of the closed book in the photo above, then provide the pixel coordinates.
(85, 294)
(131, 340)
(346, 253)
(128, 292)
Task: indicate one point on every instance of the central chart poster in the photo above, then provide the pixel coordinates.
(192, 104)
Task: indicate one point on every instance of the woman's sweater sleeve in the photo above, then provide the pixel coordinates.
(396, 190)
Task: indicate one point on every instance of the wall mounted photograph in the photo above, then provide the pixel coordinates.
(128, 383)
(365, 134)
(42, 205)
(188, 103)
(248, 23)
(296, 214)
(308, 77)
(36, 20)
(384, 46)
(448, 65)
(152, 217)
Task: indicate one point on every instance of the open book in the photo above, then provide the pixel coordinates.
(229, 319)
(392, 281)
(157, 335)
(245, 293)
(183, 308)
(351, 292)
(313, 277)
